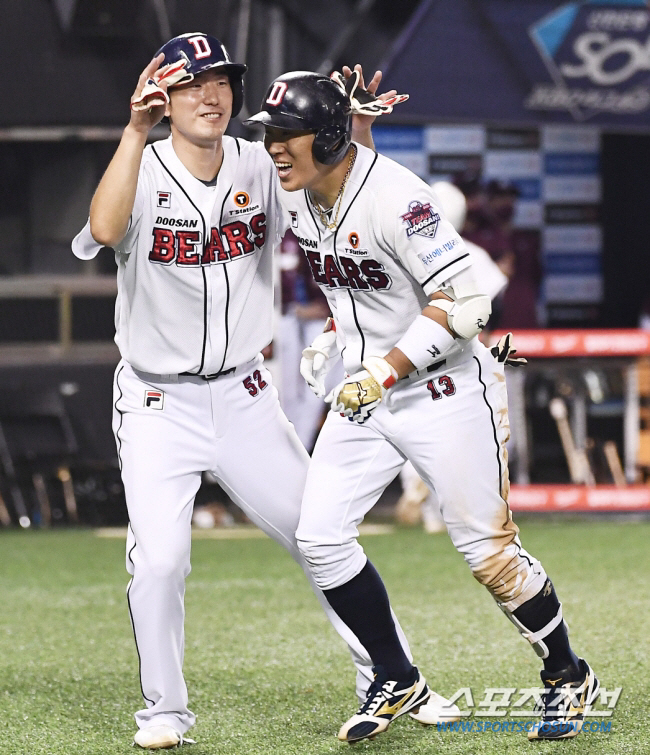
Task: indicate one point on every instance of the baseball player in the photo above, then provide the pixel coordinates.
(407, 312)
(417, 501)
(193, 221)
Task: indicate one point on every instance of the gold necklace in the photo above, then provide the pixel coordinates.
(322, 213)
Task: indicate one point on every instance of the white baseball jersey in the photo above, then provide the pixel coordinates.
(391, 249)
(195, 288)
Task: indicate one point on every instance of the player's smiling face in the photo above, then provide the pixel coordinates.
(200, 110)
(292, 154)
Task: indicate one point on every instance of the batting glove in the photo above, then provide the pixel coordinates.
(358, 395)
(364, 103)
(152, 94)
(317, 359)
(505, 353)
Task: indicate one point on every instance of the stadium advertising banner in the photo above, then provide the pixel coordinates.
(597, 54)
(555, 171)
(536, 61)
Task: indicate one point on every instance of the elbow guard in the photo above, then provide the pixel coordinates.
(466, 316)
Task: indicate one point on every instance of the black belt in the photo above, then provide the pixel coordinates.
(436, 365)
(213, 376)
(431, 368)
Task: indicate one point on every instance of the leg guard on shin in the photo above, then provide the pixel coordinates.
(537, 618)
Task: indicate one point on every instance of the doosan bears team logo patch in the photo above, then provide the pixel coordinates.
(421, 219)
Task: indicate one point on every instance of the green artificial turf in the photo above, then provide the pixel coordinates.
(267, 674)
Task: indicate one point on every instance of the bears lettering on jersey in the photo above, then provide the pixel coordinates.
(346, 272)
(233, 240)
(188, 245)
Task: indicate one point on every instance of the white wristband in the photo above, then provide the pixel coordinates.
(425, 342)
(381, 370)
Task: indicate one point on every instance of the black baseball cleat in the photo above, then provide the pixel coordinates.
(567, 695)
(386, 700)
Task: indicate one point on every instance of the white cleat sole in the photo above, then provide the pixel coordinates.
(436, 710)
(159, 738)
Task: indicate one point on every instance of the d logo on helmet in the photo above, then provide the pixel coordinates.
(277, 93)
(200, 44)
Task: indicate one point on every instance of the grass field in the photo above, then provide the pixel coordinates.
(266, 673)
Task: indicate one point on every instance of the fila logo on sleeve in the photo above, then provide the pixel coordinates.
(154, 400)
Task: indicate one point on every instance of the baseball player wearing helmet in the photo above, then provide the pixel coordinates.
(193, 220)
(417, 501)
(420, 386)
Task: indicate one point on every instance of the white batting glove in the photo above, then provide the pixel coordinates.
(358, 395)
(152, 94)
(362, 101)
(317, 359)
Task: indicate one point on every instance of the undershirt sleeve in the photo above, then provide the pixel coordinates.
(84, 245)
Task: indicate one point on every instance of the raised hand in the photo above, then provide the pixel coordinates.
(366, 103)
(150, 98)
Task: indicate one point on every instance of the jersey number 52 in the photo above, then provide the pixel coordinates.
(250, 385)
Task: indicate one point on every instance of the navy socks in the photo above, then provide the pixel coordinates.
(362, 604)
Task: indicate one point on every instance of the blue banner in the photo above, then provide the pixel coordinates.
(537, 61)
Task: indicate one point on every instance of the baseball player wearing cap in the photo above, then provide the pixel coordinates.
(193, 221)
(407, 313)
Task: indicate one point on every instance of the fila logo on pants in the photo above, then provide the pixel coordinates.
(154, 399)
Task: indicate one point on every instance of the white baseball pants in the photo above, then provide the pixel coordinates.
(168, 431)
(452, 425)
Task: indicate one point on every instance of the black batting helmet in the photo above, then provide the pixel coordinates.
(305, 101)
(202, 52)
